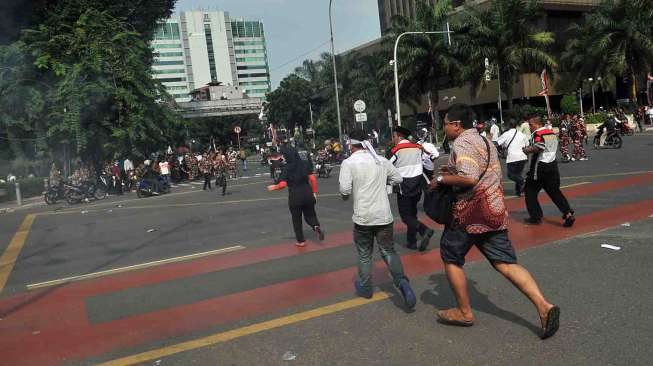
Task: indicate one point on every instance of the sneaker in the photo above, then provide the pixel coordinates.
(320, 233)
(407, 293)
(367, 294)
(569, 220)
(532, 221)
(583, 159)
(426, 240)
(301, 245)
(573, 159)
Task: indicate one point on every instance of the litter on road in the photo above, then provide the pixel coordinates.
(608, 246)
(289, 356)
(151, 230)
(626, 224)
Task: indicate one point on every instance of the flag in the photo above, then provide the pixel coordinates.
(544, 77)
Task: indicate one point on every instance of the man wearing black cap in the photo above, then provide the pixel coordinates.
(407, 158)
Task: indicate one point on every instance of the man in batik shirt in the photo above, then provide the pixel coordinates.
(480, 219)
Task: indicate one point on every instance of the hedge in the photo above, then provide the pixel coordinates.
(29, 187)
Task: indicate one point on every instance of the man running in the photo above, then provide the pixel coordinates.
(480, 219)
(364, 176)
(407, 158)
(544, 174)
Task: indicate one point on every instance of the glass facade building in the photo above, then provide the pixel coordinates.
(198, 47)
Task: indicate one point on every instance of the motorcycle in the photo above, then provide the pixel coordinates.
(624, 129)
(613, 141)
(54, 193)
(146, 189)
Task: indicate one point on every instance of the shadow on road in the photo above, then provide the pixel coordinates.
(441, 297)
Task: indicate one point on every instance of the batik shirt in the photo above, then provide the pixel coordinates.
(480, 209)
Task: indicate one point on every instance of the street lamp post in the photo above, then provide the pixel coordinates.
(591, 80)
(395, 62)
(335, 73)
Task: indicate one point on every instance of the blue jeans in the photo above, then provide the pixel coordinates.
(364, 240)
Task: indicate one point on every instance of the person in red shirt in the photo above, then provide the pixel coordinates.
(297, 175)
(117, 174)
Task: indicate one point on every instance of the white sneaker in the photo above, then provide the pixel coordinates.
(573, 159)
(583, 159)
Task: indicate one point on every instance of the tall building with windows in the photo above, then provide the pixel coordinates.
(195, 48)
(251, 57)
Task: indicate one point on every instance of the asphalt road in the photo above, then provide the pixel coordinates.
(246, 295)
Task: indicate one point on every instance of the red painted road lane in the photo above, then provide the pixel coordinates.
(247, 257)
(52, 345)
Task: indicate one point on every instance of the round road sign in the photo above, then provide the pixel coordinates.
(359, 106)
(237, 129)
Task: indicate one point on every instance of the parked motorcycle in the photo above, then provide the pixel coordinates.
(145, 188)
(55, 193)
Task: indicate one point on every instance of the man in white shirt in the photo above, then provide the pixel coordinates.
(513, 142)
(128, 165)
(364, 176)
(495, 131)
(544, 174)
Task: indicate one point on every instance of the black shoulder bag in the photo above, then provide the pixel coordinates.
(438, 203)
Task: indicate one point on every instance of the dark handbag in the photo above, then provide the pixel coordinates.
(438, 203)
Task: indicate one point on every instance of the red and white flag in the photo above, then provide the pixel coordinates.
(545, 90)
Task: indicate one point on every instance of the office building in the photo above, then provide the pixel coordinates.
(195, 48)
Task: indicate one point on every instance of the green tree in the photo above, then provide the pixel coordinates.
(615, 40)
(569, 104)
(426, 62)
(507, 35)
(288, 104)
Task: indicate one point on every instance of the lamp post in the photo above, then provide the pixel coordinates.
(335, 73)
(395, 62)
(591, 80)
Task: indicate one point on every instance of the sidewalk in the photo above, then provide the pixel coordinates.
(27, 203)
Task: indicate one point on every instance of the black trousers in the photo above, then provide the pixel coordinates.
(221, 181)
(515, 170)
(308, 211)
(207, 181)
(408, 212)
(548, 178)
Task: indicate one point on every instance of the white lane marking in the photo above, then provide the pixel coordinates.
(133, 268)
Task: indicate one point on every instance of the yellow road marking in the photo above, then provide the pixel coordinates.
(133, 268)
(8, 259)
(244, 331)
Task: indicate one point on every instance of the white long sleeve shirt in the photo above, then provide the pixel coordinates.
(519, 141)
(365, 180)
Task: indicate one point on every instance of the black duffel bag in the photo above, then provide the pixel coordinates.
(438, 203)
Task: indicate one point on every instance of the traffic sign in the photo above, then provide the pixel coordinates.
(361, 117)
(359, 106)
(237, 129)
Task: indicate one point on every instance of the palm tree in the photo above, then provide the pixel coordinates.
(614, 40)
(426, 61)
(505, 34)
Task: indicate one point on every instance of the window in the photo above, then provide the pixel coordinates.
(261, 51)
(160, 46)
(209, 47)
(171, 80)
(256, 91)
(161, 63)
(250, 59)
(249, 43)
(167, 31)
(255, 67)
(257, 75)
(253, 83)
(170, 54)
(173, 88)
(171, 71)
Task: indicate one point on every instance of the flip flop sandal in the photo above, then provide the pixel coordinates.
(552, 323)
(448, 321)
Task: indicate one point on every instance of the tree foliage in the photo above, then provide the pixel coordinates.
(615, 40)
(81, 76)
(506, 34)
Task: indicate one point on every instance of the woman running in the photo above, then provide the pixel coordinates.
(298, 176)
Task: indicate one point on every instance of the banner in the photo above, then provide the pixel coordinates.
(545, 91)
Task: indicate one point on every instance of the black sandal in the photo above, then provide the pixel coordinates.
(552, 323)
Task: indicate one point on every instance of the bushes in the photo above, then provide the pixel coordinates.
(595, 118)
(29, 187)
(569, 104)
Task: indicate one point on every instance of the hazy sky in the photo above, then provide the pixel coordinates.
(295, 27)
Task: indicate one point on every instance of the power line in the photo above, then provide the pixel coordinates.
(300, 56)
